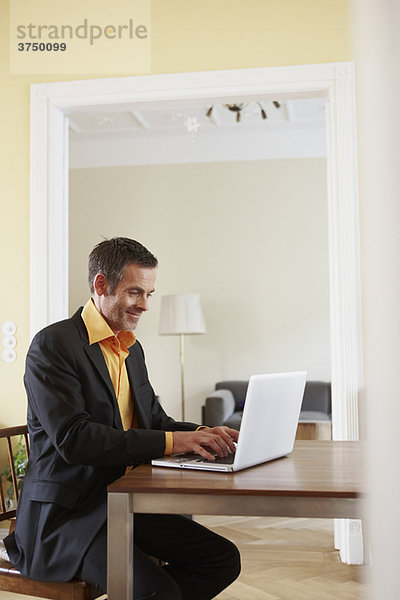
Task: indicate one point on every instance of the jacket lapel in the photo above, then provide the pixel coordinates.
(96, 357)
(132, 371)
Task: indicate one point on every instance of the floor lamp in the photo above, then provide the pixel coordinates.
(181, 315)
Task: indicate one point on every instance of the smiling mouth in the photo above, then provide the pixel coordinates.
(134, 315)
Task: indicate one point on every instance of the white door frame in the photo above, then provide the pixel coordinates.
(50, 105)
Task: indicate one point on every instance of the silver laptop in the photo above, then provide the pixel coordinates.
(268, 429)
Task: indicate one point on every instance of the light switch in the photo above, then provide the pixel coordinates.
(9, 341)
(9, 328)
(9, 356)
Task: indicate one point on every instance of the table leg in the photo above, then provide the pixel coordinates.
(120, 547)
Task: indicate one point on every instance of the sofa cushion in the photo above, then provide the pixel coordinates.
(313, 415)
(238, 389)
(317, 397)
(234, 420)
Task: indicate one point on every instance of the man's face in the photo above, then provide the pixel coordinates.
(123, 307)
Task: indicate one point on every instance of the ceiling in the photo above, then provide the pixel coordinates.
(125, 134)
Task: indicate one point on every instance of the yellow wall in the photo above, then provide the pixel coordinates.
(188, 35)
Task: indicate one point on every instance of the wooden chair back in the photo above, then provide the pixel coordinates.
(10, 579)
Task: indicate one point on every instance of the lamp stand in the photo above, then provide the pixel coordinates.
(182, 362)
(181, 315)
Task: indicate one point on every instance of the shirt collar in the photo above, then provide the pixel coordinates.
(98, 329)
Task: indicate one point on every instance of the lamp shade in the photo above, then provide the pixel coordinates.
(181, 314)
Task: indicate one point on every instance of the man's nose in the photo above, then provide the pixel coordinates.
(143, 303)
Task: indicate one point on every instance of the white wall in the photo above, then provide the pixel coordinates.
(250, 237)
(377, 24)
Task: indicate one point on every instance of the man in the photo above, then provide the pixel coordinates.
(91, 413)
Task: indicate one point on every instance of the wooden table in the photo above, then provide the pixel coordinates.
(320, 479)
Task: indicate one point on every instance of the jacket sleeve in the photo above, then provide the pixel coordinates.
(57, 403)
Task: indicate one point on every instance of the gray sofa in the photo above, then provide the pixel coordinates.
(225, 405)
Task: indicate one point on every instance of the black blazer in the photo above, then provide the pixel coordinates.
(78, 447)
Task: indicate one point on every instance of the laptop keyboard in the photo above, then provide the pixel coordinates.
(227, 460)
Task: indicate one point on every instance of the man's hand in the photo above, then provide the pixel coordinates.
(216, 439)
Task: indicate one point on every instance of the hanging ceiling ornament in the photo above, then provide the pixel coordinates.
(237, 108)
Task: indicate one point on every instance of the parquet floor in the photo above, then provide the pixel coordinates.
(288, 559)
(283, 559)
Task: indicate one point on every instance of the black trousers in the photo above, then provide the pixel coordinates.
(200, 563)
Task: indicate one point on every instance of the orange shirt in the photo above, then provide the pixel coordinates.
(115, 351)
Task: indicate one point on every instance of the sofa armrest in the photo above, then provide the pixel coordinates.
(219, 406)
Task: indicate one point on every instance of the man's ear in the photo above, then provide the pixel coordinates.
(100, 284)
